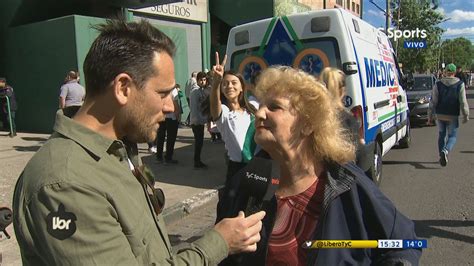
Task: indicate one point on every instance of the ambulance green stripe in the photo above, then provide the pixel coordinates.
(292, 32)
(383, 117)
(261, 50)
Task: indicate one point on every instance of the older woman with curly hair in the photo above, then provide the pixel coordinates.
(321, 195)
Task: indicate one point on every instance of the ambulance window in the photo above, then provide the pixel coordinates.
(320, 24)
(356, 25)
(328, 53)
(242, 37)
(399, 72)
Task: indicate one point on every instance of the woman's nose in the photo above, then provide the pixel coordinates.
(260, 113)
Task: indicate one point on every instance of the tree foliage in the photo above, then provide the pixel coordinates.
(288, 7)
(412, 15)
(459, 51)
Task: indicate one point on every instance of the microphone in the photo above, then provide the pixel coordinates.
(6, 218)
(258, 181)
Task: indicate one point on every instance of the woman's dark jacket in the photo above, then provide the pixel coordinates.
(353, 209)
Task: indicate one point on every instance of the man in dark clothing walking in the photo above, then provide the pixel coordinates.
(448, 100)
(198, 118)
(169, 130)
(461, 76)
(7, 91)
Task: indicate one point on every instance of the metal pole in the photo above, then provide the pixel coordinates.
(398, 24)
(387, 15)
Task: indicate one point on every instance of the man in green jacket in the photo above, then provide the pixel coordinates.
(81, 200)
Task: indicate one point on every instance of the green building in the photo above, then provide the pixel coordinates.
(43, 39)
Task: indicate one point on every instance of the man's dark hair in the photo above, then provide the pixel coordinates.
(123, 47)
(201, 75)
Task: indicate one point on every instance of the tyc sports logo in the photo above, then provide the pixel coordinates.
(256, 177)
(61, 224)
(413, 39)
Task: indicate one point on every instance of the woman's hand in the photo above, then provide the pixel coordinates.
(218, 68)
(215, 98)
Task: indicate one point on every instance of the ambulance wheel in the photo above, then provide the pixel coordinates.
(406, 141)
(375, 171)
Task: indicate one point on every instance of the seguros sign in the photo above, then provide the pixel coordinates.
(195, 10)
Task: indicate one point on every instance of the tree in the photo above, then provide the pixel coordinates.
(413, 15)
(288, 7)
(459, 51)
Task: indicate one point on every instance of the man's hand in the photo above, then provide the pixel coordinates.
(241, 233)
(465, 119)
(431, 119)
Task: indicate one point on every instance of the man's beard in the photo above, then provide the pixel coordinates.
(139, 128)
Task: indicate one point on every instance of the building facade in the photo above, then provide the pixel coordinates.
(42, 40)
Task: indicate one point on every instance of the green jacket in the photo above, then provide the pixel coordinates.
(78, 203)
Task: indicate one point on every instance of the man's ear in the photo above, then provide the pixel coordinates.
(122, 86)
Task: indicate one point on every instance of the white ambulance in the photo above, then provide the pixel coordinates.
(314, 40)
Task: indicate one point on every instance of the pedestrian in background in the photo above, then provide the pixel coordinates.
(462, 76)
(234, 120)
(190, 84)
(199, 94)
(448, 101)
(169, 130)
(7, 91)
(72, 94)
(80, 200)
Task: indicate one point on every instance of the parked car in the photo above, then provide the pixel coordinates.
(419, 96)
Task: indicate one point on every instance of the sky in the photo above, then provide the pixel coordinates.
(460, 15)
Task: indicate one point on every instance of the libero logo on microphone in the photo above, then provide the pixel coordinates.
(413, 39)
(256, 177)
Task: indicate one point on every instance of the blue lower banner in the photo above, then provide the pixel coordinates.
(415, 243)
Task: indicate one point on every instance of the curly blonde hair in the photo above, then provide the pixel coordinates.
(335, 83)
(315, 110)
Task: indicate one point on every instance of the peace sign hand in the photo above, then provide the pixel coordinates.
(218, 68)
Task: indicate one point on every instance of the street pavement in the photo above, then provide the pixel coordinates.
(185, 188)
(438, 199)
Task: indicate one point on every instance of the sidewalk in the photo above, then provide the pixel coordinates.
(185, 188)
